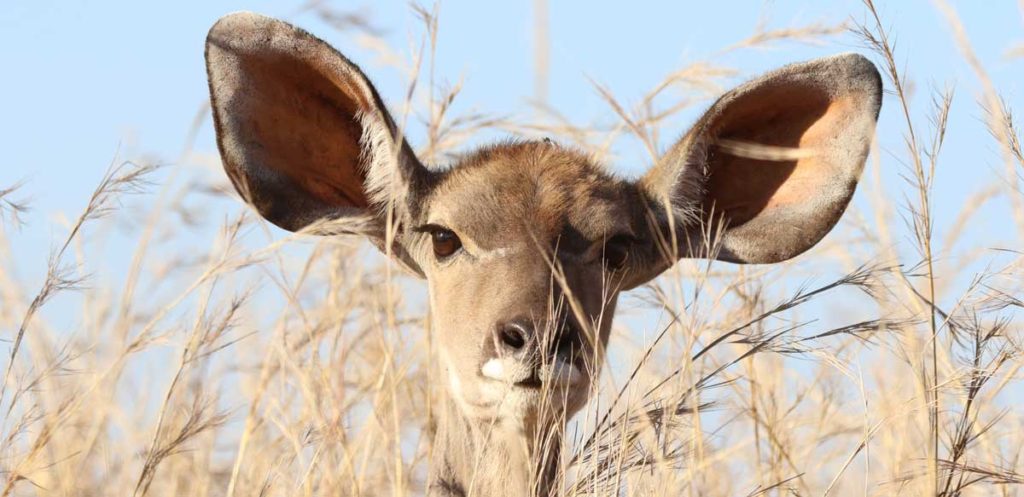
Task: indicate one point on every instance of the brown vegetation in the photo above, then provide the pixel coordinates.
(293, 365)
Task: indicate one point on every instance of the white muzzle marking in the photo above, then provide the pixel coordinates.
(510, 370)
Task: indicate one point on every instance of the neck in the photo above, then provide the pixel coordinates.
(476, 458)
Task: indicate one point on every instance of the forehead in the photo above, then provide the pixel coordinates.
(530, 189)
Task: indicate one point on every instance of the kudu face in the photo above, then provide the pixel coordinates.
(523, 307)
(525, 246)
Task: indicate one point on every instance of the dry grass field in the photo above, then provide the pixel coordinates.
(247, 361)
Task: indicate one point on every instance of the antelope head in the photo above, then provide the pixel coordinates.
(525, 246)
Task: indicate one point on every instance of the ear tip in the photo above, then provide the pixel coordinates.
(861, 74)
(854, 59)
(238, 24)
(860, 67)
(242, 19)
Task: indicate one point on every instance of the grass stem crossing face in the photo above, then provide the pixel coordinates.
(526, 245)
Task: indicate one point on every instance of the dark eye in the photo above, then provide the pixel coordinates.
(616, 252)
(445, 242)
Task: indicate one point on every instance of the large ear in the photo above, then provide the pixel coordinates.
(771, 166)
(302, 133)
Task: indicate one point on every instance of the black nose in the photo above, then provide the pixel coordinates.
(513, 335)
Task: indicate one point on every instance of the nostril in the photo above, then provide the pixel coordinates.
(562, 343)
(512, 336)
(565, 337)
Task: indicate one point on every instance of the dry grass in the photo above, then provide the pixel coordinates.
(261, 365)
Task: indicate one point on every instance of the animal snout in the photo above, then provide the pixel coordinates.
(526, 340)
(528, 354)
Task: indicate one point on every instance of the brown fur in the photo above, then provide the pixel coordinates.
(304, 135)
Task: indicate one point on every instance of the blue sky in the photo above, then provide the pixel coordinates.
(84, 79)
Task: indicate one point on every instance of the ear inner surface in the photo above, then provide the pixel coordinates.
(290, 107)
(777, 159)
(743, 186)
(290, 114)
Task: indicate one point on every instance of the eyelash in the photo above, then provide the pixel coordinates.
(445, 242)
(614, 255)
(616, 251)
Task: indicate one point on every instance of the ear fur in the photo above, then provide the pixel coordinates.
(772, 165)
(302, 132)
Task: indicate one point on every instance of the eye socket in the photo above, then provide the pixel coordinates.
(446, 242)
(616, 252)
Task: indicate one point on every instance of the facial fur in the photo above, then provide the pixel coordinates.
(526, 245)
(533, 219)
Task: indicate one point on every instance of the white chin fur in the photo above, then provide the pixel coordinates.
(495, 368)
(511, 371)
